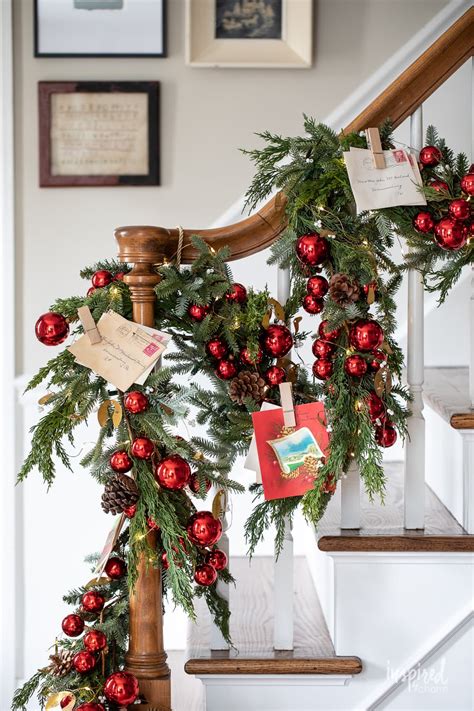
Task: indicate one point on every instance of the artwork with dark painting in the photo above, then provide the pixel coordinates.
(248, 19)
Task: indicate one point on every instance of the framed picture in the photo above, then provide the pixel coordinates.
(100, 28)
(99, 133)
(249, 33)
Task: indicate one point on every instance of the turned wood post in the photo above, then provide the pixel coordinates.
(146, 658)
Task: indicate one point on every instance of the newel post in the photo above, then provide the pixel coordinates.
(146, 658)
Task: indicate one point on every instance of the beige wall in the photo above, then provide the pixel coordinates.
(206, 115)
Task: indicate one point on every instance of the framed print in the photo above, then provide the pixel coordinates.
(98, 133)
(249, 33)
(100, 28)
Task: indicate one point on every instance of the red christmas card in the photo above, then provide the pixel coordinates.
(290, 457)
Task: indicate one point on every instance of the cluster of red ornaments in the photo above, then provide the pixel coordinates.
(102, 278)
(324, 348)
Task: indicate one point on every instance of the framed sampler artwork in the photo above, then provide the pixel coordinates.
(98, 133)
(249, 33)
(100, 28)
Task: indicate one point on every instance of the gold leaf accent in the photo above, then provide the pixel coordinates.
(103, 413)
(278, 309)
(385, 347)
(388, 380)
(43, 400)
(266, 319)
(292, 373)
(54, 701)
(219, 504)
(96, 582)
(379, 384)
(296, 323)
(370, 294)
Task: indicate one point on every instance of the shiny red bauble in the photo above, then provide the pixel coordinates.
(430, 156)
(423, 222)
(93, 601)
(385, 435)
(95, 641)
(459, 209)
(173, 472)
(322, 368)
(84, 662)
(203, 529)
(217, 559)
(317, 286)
(119, 276)
(327, 333)
(90, 706)
(205, 575)
(73, 625)
(312, 249)
(274, 375)
(366, 335)
(51, 329)
(322, 348)
(246, 357)
(467, 183)
(439, 185)
(376, 407)
(164, 560)
(194, 484)
(101, 278)
(216, 348)
(90, 290)
(313, 304)
(142, 448)
(277, 341)
(450, 234)
(151, 523)
(355, 365)
(121, 688)
(226, 369)
(237, 293)
(198, 313)
(130, 511)
(136, 402)
(115, 568)
(379, 357)
(121, 462)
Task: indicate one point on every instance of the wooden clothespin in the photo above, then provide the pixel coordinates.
(88, 324)
(287, 404)
(375, 145)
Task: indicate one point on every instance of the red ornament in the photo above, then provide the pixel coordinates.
(119, 276)
(216, 348)
(430, 156)
(312, 304)
(101, 278)
(95, 641)
(467, 182)
(136, 402)
(198, 313)
(194, 484)
(66, 700)
(51, 329)
(450, 234)
(366, 335)
(90, 290)
(173, 472)
(247, 359)
(379, 358)
(73, 625)
(226, 369)
(205, 575)
(130, 511)
(322, 348)
(152, 524)
(322, 368)
(385, 434)
(439, 185)
(459, 209)
(317, 286)
(93, 601)
(84, 662)
(203, 529)
(326, 333)
(277, 341)
(121, 462)
(91, 706)
(217, 559)
(423, 222)
(142, 448)
(121, 688)
(115, 568)
(376, 408)
(164, 560)
(275, 375)
(355, 365)
(312, 249)
(329, 485)
(237, 293)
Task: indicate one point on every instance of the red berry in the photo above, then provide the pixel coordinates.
(130, 511)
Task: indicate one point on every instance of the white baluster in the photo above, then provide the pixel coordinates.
(350, 498)
(471, 354)
(217, 640)
(415, 445)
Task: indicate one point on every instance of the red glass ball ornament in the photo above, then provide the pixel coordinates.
(366, 335)
(205, 575)
(355, 365)
(237, 293)
(216, 558)
(121, 688)
(322, 368)
(121, 462)
(385, 434)
(136, 402)
(275, 375)
(376, 407)
(450, 234)
(95, 641)
(439, 185)
(151, 523)
(326, 333)
(430, 156)
(91, 706)
(90, 290)
(66, 700)
(194, 484)
(467, 183)
(164, 560)
(84, 662)
(51, 329)
(115, 568)
(277, 341)
(203, 529)
(130, 511)
(73, 625)
(317, 286)
(423, 222)
(312, 249)
(313, 304)
(198, 313)
(101, 278)
(379, 358)
(93, 601)
(322, 348)
(226, 369)
(459, 209)
(247, 359)
(216, 348)
(173, 472)
(142, 448)
(119, 276)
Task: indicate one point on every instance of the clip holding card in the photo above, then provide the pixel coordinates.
(375, 146)
(88, 324)
(286, 396)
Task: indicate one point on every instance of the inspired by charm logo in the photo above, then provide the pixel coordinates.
(420, 679)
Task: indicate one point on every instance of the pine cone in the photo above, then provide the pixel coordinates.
(343, 290)
(247, 384)
(61, 663)
(120, 493)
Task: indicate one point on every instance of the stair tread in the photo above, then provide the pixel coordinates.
(252, 628)
(446, 391)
